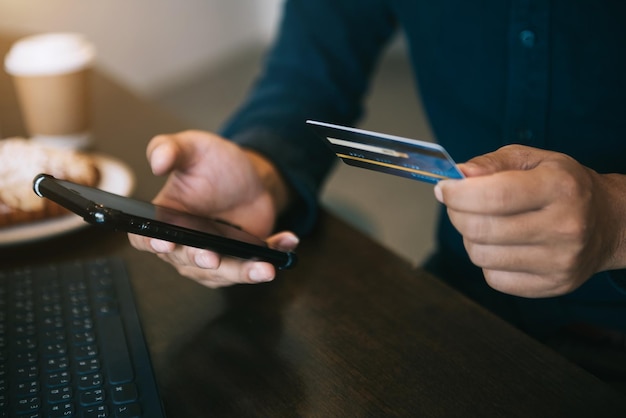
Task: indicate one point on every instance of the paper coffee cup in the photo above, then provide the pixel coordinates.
(51, 73)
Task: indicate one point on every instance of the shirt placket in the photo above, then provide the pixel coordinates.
(527, 97)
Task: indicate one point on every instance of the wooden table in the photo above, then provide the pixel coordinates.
(352, 331)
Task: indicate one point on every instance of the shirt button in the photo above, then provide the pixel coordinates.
(527, 37)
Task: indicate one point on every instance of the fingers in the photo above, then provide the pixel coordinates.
(529, 228)
(502, 193)
(529, 270)
(231, 271)
(528, 285)
(523, 258)
(513, 179)
(209, 268)
(185, 256)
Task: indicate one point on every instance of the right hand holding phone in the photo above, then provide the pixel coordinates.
(210, 176)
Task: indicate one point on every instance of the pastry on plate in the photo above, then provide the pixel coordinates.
(20, 161)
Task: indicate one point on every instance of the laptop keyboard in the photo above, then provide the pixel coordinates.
(71, 343)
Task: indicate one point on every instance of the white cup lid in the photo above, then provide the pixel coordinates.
(49, 54)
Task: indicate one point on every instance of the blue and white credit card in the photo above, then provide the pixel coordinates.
(410, 158)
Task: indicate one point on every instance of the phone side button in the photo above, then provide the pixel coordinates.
(171, 233)
(135, 226)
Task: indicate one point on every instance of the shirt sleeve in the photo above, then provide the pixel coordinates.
(318, 68)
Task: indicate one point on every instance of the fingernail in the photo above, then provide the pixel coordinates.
(259, 275)
(158, 160)
(438, 192)
(294, 239)
(159, 246)
(291, 241)
(204, 261)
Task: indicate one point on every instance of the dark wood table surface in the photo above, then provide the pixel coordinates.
(353, 330)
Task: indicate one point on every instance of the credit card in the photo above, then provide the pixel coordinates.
(404, 157)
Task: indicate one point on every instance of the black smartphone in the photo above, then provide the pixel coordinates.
(121, 213)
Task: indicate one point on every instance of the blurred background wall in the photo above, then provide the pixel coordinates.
(151, 44)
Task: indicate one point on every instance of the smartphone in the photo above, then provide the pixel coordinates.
(122, 213)
(389, 154)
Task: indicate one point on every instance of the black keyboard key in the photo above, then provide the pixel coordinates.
(62, 410)
(88, 366)
(92, 397)
(28, 388)
(26, 373)
(27, 405)
(119, 368)
(54, 350)
(60, 394)
(84, 337)
(26, 358)
(132, 410)
(99, 411)
(84, 352)
(90, 381)
(51, 337)
(56, 364)
(125, 393)
(58, 379)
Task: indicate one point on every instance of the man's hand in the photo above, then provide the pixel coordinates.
(537, 222)
(210, 176)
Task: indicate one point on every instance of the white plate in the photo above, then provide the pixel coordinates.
(115, 177)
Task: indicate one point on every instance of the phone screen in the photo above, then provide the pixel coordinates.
(141, 209)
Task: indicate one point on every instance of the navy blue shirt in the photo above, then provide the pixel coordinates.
(549, 74)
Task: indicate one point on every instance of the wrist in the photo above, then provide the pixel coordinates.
(615, 187)
(272, 181)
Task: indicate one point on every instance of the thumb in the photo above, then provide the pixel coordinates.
(507, 158)
(168, 152)
(161, 154)
(284, 241)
